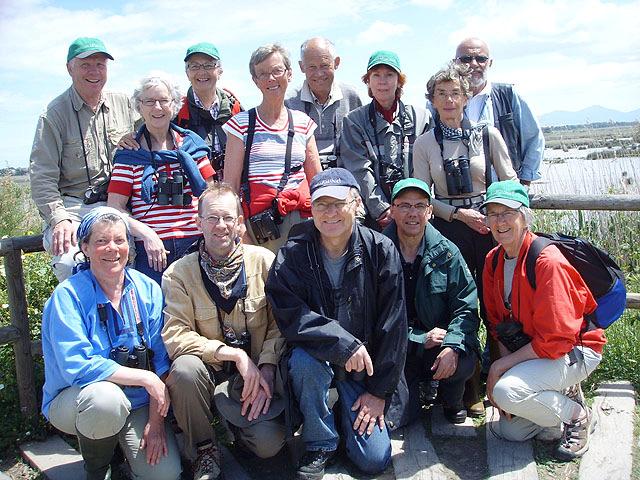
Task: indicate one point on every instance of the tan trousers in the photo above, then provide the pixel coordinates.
(191, 387)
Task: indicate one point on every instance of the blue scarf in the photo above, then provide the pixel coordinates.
(192, 147)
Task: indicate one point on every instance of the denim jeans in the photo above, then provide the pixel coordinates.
(311, 379)
(176, 248)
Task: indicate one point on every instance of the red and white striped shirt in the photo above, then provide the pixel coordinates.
(167, 221)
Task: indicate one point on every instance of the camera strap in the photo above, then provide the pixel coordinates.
(488, 157)
(244, 181)
(84, 148)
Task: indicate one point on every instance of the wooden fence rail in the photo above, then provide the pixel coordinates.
(24, 348)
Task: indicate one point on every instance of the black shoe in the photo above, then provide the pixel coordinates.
(312, 464)
(455, 415)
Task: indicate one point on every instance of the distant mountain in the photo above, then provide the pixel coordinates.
(591, 114)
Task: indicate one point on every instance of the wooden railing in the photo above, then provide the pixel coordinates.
(24, 348)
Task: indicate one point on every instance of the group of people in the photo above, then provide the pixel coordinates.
(306, 244)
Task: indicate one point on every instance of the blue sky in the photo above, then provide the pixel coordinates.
(562, 55)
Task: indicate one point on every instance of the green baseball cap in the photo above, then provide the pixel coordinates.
(508, 192)
(384, 57)
(410, 183)
(84, 46)
(203, 47)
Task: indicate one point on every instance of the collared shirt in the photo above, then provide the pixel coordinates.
(214, 109)
(480, 107)
(328, 116)
(411, 270)
(66, 131)
(76, 343)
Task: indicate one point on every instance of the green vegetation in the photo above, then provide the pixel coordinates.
(596, 135)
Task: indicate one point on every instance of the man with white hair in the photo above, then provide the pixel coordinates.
(500, 105)
(321, 97)
(73, 148)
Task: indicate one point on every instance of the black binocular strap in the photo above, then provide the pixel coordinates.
(84, 148)
(488, 157)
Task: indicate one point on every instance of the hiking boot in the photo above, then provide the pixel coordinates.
(207, 464)
(475, 410)
(575, 437)
(312, 464)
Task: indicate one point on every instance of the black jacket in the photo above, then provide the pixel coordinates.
(298, 290)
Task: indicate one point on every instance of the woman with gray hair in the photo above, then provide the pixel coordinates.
(547, 345)
(100, 339)
(271, 154)
(162, 180)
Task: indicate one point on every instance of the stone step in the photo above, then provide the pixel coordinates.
(441, 427)
(55, 458)
(507, 460)
(611, 446)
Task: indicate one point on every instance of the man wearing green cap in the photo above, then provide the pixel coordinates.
(206, 107)
(441, 302)
(72, 151)
(376, 143)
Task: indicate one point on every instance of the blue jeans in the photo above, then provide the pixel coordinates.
(176, 247)
(311, 379)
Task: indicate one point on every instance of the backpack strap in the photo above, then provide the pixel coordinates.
(488, 157)
(535, 249)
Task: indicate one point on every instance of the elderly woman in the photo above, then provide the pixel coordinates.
(271, 153)
(453, 158)
(100, 340)
(545, 344)
(377, 139)
(162, 180)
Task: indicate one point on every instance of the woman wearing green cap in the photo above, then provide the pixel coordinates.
(547, 346)
(376, 144)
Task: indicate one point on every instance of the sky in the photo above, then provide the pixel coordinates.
(561, 55)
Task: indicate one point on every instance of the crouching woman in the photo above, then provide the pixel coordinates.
(104, 357)
(546, 347)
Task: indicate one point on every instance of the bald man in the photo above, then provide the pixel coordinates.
(322, 98)
(500, 105)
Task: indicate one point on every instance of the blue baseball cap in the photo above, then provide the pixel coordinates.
(334, 183)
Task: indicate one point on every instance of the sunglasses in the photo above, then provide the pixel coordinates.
(470, 58)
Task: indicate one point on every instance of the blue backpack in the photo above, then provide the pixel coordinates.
(599, 271)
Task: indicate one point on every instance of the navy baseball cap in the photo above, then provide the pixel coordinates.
(334, 183)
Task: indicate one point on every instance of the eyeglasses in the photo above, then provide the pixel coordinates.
(444, 95)
(507, 216)
(275, 73)
(405, 207)
(214, 219)
(194, 67)
(151, 102)
(322, 207)
(470, 58)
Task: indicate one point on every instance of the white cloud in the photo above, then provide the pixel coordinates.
(378, 32)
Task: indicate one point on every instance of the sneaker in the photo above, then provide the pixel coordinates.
(575, 437)
(312, 464)
(207, 465)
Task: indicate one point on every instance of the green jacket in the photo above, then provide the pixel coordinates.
(446, 295)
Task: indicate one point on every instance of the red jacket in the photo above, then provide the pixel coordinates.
(552, 314)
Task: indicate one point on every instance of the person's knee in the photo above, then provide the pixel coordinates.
(372, 460)
(103, 409)
(264, 439)
(508, 394)
(167, 469)
(304, 366)
(186, 370)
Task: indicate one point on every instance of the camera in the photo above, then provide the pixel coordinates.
(458, 175)
(264, 225)
(171, 190)
(137, 357)
(392, 175)
(217, 162)
(96, 193)
(243, 343)
(328, 161)
(511, 335)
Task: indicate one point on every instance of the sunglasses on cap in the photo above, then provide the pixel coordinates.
(470, 58)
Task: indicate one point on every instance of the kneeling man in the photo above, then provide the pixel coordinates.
(222, 337)
(442, 302)
(337, 294)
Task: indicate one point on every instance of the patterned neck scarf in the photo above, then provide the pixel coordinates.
(223, 273)
(450, 133)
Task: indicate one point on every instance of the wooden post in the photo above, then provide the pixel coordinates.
(20, 320)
